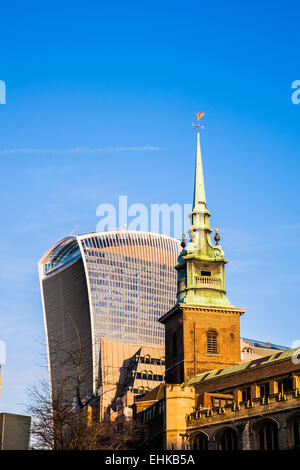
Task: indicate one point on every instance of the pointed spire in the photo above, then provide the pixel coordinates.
(200, 268)
(199, 211)
(199, 189)
(200, 229)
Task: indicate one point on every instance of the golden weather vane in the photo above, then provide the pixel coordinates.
(198, 126)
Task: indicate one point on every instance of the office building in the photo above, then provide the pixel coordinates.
(109, 286)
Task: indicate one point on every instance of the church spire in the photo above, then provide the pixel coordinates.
(200, 269)
(199, 189)
(202, 310)
(200, 229)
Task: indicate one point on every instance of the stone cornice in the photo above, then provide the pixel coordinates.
(239, 311)
(226, 310)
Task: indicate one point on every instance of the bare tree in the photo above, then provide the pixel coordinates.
(67, 417)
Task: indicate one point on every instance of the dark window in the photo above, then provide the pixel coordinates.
(285, 385)
(246, 394)
(268, 436)
(296, 433)
(226, 440)
(206, 273)
(212, 344)
(264, 390)
(200, 442)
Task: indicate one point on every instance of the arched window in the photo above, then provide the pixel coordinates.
(226, 439)
(296, 433)
(212, 342)
(144, 375)
(266, 434)
(147, 359)
(200, 442)
(293, 426)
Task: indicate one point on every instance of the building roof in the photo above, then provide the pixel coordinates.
(204, 377)
(153, 395)
(264, 345)
(70, 248)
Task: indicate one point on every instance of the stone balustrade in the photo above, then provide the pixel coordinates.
(208, 281)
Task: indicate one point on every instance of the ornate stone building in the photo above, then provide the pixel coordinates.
(213, 397)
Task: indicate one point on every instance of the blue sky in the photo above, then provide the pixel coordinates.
(133, 74)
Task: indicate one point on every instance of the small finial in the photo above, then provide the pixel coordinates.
(217, 236)
(183, 242)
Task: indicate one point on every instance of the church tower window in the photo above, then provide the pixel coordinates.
(206, 273)
(212, 342)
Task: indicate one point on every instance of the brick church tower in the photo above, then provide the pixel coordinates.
(202, 331)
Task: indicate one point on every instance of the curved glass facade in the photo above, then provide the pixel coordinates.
(129, 281)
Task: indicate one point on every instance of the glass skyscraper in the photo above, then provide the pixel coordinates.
(110, 285)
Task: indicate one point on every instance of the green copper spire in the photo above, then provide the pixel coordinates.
(201, 266)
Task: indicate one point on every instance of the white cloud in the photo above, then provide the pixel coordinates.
(80, 150)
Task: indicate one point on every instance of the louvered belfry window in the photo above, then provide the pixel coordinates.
(212, 344)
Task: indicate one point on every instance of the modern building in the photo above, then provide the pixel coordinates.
(14, 431)
(217, 396)
(141, 368)
(105, 288)
(14, 428)
(252, 349)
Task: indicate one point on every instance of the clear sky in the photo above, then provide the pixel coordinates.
(102, 75)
